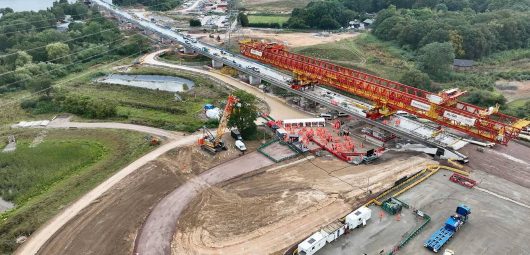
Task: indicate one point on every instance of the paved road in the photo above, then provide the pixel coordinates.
(37, 239)
(157, 232)
(65, 123)
(279, 109)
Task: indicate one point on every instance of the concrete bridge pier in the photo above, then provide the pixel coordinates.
(253, 80)
(217, 64)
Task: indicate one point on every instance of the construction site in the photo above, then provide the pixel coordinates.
(376, 167)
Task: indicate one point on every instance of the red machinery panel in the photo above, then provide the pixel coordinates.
(442, 108)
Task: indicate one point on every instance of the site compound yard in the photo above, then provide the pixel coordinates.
(247, 127)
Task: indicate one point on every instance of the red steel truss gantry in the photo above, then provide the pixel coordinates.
(390, 96)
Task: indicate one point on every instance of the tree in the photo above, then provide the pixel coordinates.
(457, 41)
(23, 58)
(40, 85)
(57, 52)
(417, 79)
(195, 23)
(244, 115)
(436, 59)
(6, 10)
(328, 23)
(485, 98)
(243, 19)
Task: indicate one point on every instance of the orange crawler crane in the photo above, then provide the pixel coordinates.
(214, 144)
(390, 96)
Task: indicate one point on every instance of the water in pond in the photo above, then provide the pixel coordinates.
(160, 82)
(28, 5)
(5, 205)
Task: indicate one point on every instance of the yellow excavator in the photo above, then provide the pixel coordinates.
(214, 144)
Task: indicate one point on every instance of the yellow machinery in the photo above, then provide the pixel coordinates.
(214, 144)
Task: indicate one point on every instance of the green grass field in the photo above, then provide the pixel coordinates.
(365, 53)
(68, 163)
(273, 5)
(253, 19)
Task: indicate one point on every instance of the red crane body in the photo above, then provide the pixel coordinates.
(390, 96)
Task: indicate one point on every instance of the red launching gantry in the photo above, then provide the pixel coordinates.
(390, 96)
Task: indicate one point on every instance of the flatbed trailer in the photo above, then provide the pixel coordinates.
(445, 233)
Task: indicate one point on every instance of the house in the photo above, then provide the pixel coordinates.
(462, 64)
(63, 27)
(356, 24)
(368, 22)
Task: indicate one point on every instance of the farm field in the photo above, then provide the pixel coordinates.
(273, 5)
(266, 19)
(52, 168)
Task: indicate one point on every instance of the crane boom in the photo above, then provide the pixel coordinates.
(390, 96)
(223, 123)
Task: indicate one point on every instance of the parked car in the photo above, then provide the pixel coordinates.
(240, 145)
(236, 134)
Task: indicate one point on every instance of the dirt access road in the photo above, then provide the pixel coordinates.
(62, 220)
(157, 233)
(279, 109)
(66, 123)
(37, 239)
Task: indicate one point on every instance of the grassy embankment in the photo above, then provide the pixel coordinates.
(364, 52)
(135, 105)
(44, 179)
(157, 108)
(176, 58)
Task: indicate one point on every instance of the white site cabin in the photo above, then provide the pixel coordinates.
(334, 230)
(358, 217)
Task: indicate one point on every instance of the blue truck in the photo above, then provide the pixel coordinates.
(452, 225)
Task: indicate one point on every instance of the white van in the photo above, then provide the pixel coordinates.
(326, 116)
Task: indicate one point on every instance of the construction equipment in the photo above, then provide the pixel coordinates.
(390, 96)
(214, 143)
(452, 225)
(392, 206)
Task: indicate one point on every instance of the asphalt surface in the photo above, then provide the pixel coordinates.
(157, 233)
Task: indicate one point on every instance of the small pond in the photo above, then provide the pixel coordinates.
(160, 82)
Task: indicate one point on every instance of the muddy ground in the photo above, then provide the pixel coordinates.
(266, 213)
(109, 226)
(511, 162)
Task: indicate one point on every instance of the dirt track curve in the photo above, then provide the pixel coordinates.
(157, 233)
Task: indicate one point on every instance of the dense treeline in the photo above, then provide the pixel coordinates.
(337, 13)
(472, 35)
(32, 49)
(156, 5)
(322, 15)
